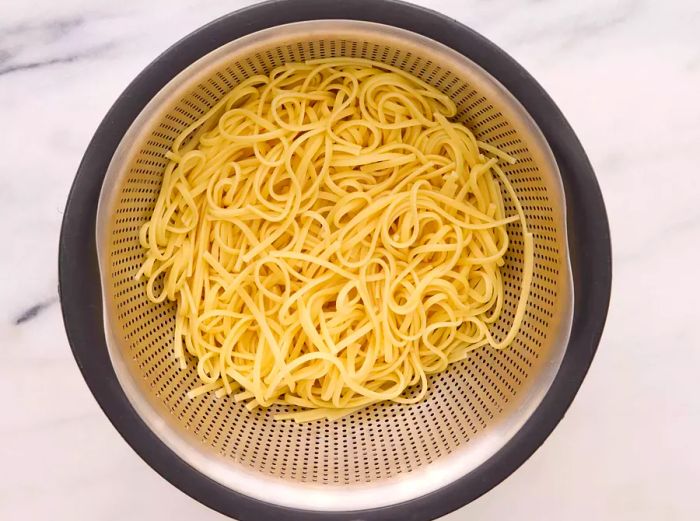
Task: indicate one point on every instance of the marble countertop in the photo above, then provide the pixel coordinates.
(627, 75)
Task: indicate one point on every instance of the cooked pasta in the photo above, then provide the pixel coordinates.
(331, 238)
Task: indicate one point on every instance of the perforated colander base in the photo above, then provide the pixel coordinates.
(472, 408)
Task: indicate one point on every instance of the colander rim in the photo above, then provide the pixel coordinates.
(79, 281)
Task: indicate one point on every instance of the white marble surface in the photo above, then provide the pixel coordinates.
(625, 73)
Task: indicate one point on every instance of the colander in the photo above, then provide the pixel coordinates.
(482, 417)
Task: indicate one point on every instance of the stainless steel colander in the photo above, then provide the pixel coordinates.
(389, 461)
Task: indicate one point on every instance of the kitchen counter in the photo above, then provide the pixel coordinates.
(627, 76)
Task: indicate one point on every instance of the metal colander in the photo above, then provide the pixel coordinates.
(387, 454)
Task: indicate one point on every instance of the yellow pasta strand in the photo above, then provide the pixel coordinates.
(331, 238)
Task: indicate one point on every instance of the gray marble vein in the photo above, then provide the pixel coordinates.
(31, 45)
(34, 311)
(71, 58)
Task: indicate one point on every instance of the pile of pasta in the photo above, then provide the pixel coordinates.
(331, 239)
